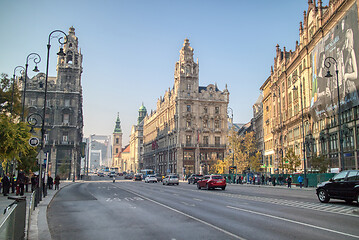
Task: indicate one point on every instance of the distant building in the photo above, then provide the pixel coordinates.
(64, 117)
(136, 140)
(187, 132)
(257, 125)
(117, 143)
(98, 152)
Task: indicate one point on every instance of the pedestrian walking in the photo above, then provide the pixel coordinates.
(57, 182)
(262, 179)
(13, 183)
(50, 182)
(27, 183)
(21, 182)
(300, 181)
(5, 184)
(289, 181)
(33, 182)
(273, 180)
(229, 179)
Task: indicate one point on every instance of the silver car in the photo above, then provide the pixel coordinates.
(170, 179)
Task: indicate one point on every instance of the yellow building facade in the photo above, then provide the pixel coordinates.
(300, 103)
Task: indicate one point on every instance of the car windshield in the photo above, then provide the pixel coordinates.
(174, 177)
(217, 177)
(340, 176)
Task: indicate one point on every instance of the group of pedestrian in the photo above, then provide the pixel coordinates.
(20, 184)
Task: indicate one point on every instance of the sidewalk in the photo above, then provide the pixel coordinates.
(39, 229)
(294, 187)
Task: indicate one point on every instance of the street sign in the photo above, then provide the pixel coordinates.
(34, 141)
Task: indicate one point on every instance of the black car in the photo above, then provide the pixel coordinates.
(137, 177)
(194, 178)
(344, 186)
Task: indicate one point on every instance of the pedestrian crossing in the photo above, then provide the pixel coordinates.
(343, 210)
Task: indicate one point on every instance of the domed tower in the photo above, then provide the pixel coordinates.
(117, 139)
(142, 112)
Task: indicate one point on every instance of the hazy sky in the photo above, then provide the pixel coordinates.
(130, 48)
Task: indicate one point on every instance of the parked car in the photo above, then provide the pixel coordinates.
(100, 174)
(211, 182)
(170, 179)
(128, 176)
(151, 178)
(137, 177)
(194, 178)
(344, 186)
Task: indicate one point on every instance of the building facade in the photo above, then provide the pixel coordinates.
(64, 118)
(188, 130)
(136, 140)
(300, 101)
(117, 142)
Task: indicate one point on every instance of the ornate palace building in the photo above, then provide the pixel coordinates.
(300, 100)
(188, 130)
(64, 119)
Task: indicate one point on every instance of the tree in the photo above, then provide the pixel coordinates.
(14, 135)
(243, 149)
(291, 161)
(320, 163)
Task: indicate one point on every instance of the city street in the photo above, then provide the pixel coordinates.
(101, 209)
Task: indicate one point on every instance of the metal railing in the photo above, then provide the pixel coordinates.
(12, 225)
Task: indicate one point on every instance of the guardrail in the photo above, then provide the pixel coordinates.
(32, 205)
(12, 225)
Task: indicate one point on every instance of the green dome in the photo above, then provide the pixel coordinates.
(142, 109)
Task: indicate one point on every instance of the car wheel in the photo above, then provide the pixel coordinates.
(188, 182)
(207, 187)
(163, 183)
(198, 186)
(357, 198)
(323, 196)
(223, 188)
(349, 201)
(177, 183)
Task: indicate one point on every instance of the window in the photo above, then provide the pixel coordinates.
(188, 86)
(216, 110)
(205, 123)
(65, 137)
(205, 110)
(188, 108)
(205, 140)
(340, 176)
(217, 141)
(66, 118)
(188, 139)
(116, 150)
(216, 124)
(117, 140)
(353, 176)
(188, 123)
(67, 102)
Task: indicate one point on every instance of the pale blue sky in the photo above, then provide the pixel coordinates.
(130, 48)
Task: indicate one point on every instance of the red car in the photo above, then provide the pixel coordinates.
(211, 182)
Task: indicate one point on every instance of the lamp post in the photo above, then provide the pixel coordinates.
(13, 86)
(304, 158)
(60, 53)
(327, 63)
(231, 111)
(37, 59)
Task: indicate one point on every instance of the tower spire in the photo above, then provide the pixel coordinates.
(118, 124)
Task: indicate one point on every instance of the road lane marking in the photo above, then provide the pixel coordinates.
(187, 215)
(295, 222)
(197, 199)
(188, 204)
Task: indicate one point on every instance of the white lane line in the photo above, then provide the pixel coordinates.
(197, 199)
(295, 222)
(188, 204)
(185, 214)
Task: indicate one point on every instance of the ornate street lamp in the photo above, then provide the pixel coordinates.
(230, 111)
(37, 59)
(62, 40)
(327, 63)
(304, 158)
(13, 86)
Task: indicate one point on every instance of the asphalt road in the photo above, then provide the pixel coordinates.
(125, 209)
